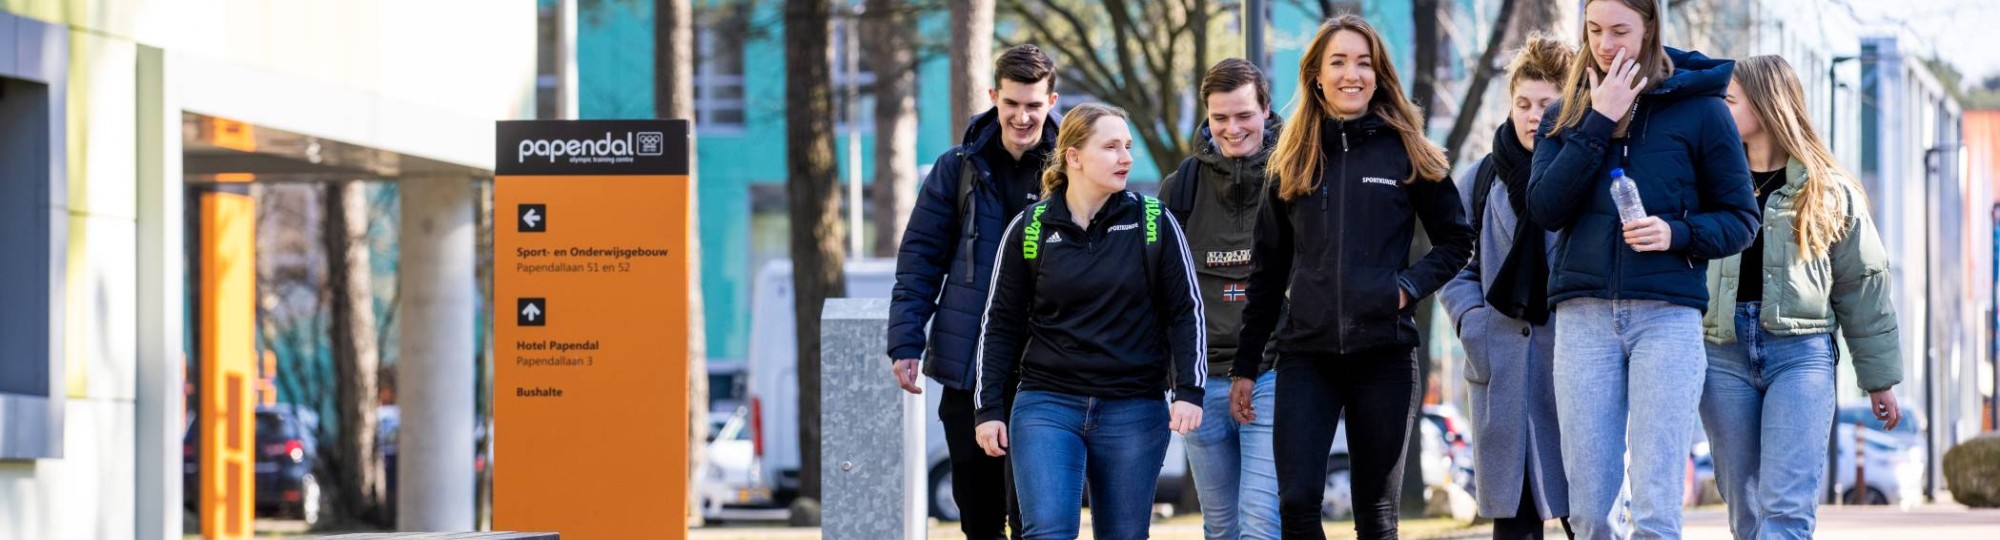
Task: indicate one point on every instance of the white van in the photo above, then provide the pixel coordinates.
(774, 412)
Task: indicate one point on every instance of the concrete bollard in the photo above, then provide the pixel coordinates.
(871, 431)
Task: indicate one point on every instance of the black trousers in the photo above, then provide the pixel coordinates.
(984, 513)
(1527, 521)
(1377, 389)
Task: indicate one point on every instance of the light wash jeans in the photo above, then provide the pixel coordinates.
(1059, 440)
(1232, 464)
(1767, 408)
(1627, 368)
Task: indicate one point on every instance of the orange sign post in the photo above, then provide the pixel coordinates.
(590, 324)
(226, 347)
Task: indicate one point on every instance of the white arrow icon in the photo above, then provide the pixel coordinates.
(531, 218)
(531, 312)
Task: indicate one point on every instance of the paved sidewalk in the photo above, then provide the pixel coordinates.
(1936, 522)
(1927, 522)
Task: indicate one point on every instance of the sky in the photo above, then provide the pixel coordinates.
(1965, 32)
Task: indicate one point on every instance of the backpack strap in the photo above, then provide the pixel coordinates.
(1153, 246)
(968, 213)
(1031, 237)
(1031, 242)
(1153, 261)
(1482, 186)
(1185, 181)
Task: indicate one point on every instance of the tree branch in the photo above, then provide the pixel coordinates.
(1475, 93)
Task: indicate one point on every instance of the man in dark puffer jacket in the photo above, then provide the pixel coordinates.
(946, 261)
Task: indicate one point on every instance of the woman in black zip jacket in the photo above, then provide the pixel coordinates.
(1355, 174)
(1095, 315)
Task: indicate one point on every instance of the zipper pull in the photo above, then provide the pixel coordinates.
(1343, 141)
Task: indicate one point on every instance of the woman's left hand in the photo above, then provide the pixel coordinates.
(1649, 234)
(1186, 417)
(1402, 299)
(1883, 404)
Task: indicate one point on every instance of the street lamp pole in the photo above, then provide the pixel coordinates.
(1256, 13)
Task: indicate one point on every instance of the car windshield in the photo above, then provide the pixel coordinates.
(272, 425)
(724, 386)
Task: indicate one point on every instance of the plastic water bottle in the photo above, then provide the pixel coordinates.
(1625, 193)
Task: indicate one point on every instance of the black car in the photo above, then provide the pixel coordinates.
(285, 451)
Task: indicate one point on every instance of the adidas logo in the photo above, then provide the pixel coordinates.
(1055, 237)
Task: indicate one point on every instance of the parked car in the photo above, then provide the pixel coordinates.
(284, 453)
(1894, 460)
(1457, 437)
(733, 480)
(1445, 457)
(728, 384)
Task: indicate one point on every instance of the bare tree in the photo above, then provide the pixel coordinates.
(971, 60)
(817, 233)
(673, 97)
(1147, 64)
(1428, 47)
(355, 462)
(890, 53)
(1484, 71)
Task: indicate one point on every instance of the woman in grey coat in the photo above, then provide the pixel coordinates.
(1499, 304)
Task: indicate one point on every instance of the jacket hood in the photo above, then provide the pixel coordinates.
(1695, 75)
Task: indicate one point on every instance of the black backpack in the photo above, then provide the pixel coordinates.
(1181, 203)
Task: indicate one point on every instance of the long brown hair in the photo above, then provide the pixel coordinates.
(1653, 63)
(1077, 127)
(1296, 160)
(1779, 101)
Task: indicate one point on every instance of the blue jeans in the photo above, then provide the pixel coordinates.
(1058, 440)
(1621, 363)
(1767, 406)
(1232, 464)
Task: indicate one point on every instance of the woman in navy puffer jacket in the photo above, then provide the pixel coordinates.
(1628, 296)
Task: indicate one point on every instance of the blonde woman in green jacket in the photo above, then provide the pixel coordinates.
(1817, 266)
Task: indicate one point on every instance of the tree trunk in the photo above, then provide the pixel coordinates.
(889, 54)
(358, 477)
(1484, 71)
(1423, 79)
(1199, 19)
(673, 59)
(673, 98)
(971, 60)
(817, 233)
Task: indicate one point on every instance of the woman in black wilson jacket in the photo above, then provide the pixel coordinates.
(1095, 316)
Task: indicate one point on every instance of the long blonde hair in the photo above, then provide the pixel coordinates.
(1296, 160)
(1077, 127)
(1779, 101)
(1653, 64)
